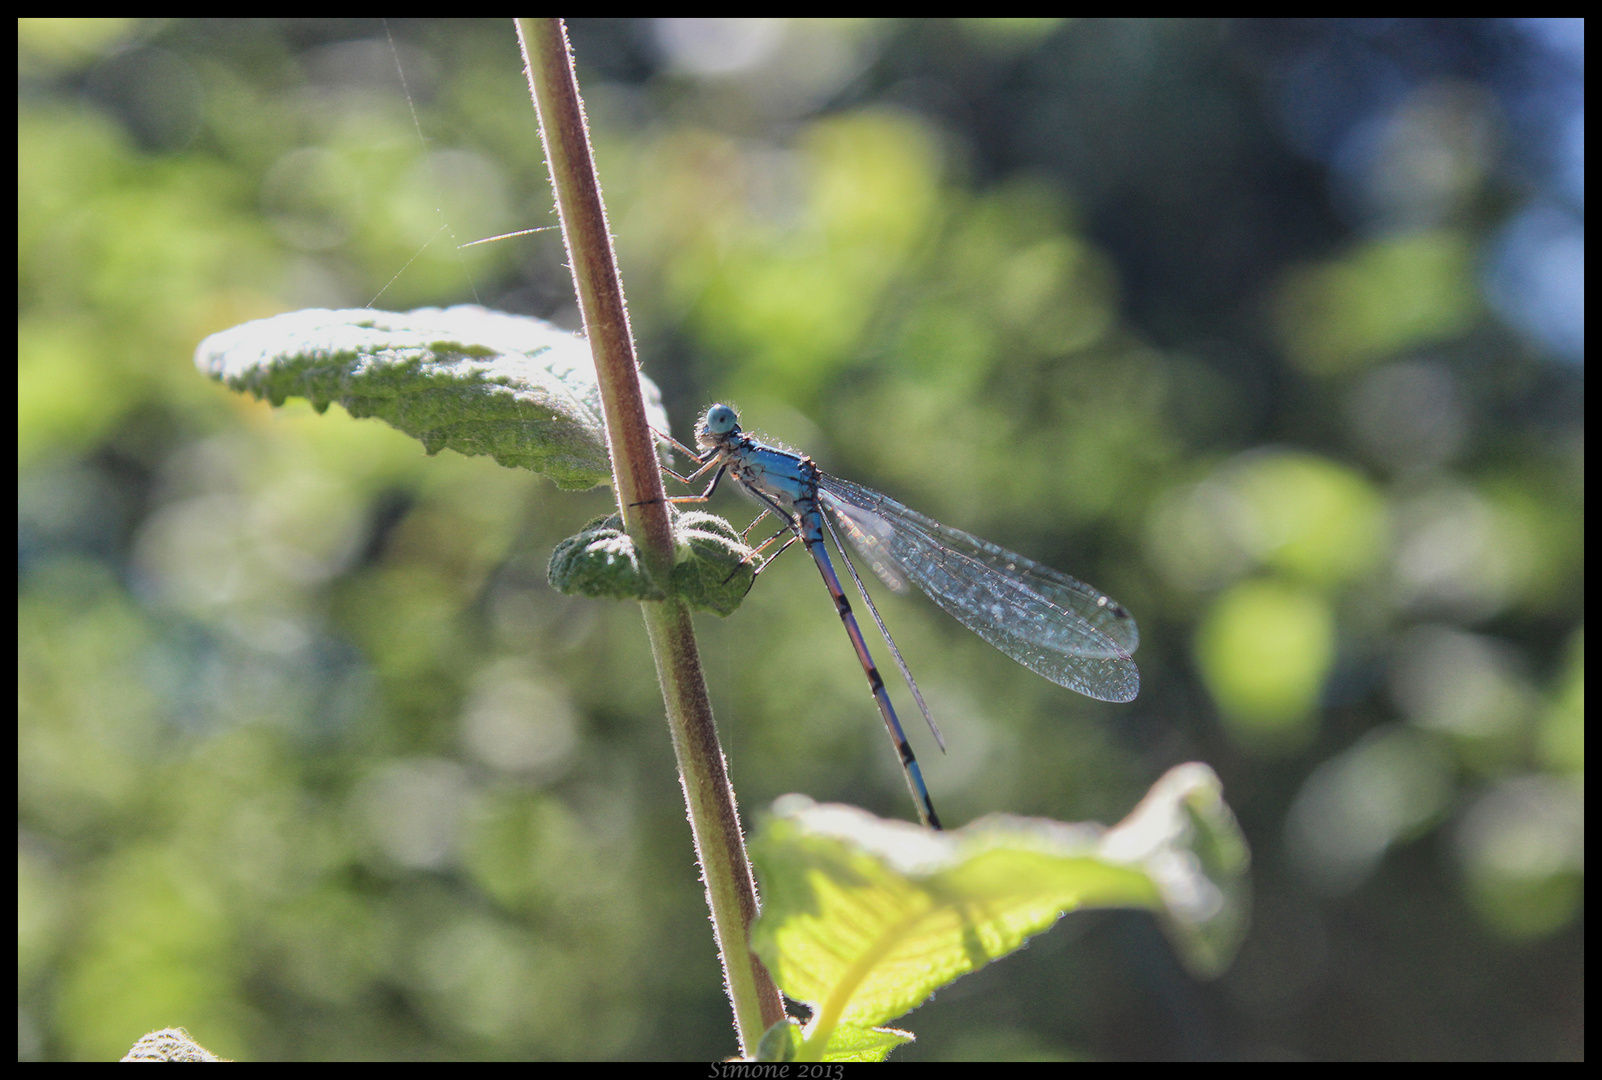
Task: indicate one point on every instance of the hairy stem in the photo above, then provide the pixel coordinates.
(708, 796)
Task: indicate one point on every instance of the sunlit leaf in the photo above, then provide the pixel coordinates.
(786, 1041)
(473, 380)
(863, 919)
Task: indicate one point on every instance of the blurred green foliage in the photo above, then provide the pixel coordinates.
(313, 762)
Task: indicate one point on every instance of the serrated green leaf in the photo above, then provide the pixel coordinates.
(473, 380)
(863, 919)
(600, 561)
(713, 567)
(786, 1040)
(852, 1042)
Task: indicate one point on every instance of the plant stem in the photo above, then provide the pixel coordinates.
(637, 478)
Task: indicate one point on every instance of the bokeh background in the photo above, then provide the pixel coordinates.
(1271, 330)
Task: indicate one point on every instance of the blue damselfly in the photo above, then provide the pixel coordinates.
(1051, 623)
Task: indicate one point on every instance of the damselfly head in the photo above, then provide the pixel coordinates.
(717, 424)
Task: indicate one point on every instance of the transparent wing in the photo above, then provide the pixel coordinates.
(1052, 624)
